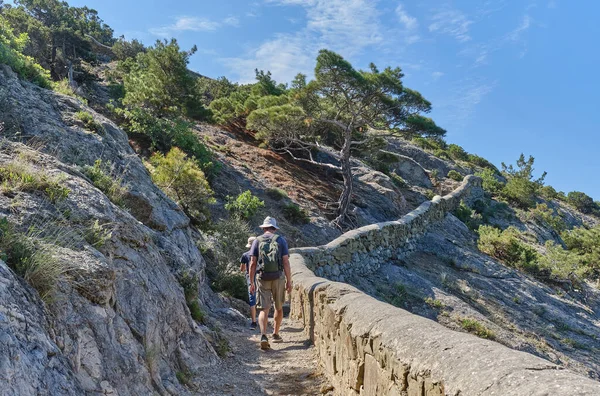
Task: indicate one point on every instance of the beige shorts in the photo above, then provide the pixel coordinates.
(271, 289)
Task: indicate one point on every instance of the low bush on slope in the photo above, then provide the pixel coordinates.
(11, 54)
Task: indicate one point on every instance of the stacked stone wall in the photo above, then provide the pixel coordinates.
(368, 347)
(363, 250)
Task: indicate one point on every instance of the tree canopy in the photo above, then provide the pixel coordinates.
(343, 108)
(58, 33)
(159, 81)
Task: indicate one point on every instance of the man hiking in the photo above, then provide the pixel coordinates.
(245, 267)
(270, 260)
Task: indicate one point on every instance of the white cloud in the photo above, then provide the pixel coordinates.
(193, 24)
(412, 39)
(284, 56)
(515, 34)
(482, 52)
(186, 23)
(409, 22)
(344, 26)
(461, 105)
(437, 74)
(232, 21)
(453, 23)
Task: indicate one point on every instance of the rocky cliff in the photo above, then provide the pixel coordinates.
(116, 321)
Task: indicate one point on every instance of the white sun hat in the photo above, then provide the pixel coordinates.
(269, 222)
(250, 240)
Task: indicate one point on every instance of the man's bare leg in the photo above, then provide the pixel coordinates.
(278, 316)
(263, 322)
(253, 313)
(263, 319)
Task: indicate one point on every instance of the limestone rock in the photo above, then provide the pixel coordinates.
(119, 322)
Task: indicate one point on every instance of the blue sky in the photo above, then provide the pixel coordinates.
(504, 77)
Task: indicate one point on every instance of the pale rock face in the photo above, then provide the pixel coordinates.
(121, 324)
(30, 362)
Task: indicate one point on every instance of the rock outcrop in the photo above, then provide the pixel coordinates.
(117, 321)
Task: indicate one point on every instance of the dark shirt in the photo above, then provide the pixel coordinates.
(245, 259)
(283, 246)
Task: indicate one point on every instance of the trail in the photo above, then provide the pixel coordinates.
(288, 368)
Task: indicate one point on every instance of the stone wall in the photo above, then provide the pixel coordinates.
(368, 347)
(363, 250)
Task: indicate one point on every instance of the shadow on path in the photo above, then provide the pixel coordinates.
(288, 368)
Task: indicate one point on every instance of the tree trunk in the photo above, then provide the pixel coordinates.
(342, 220)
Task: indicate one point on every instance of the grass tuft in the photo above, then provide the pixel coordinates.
(18, 176)
(100, 176)
(89, 122)
(295, 214)
(475, 327)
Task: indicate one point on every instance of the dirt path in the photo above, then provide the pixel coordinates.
(288, 368)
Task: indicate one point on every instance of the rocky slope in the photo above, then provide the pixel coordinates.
(448, 280)
(117, 321)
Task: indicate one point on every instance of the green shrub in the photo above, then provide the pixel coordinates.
(97, 234)
(586, 243)
(481, 162)
(565, 264)
(166, 133)
(295, 214)
(184, 378)
(454, 175)
(246, 205)
(16, 176)
(507, 247)
(434, 176)
(65, 88)
(222, 250)
(233, 285)
(375, 155)
(466, 215)
(475, 327)
(457, 153)
(184, 182)
(490, 182)
(196, 312)
(520, 192)
(124, 49)
(88, 121)
(100, 174)
(189, 282)
(276, 193)
(430, 194)
(442, 154)
(549, 193)
(434, 303)
(582, 202)
(159, 82)
(429, 143)
(521, 188)
(31, 259)
(398, 180)
(545, 216)
(11, 54)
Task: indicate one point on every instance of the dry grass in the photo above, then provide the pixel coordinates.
(20, 176)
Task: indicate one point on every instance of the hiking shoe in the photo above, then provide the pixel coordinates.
(277, 338)
(253, 325)
(264, 342)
